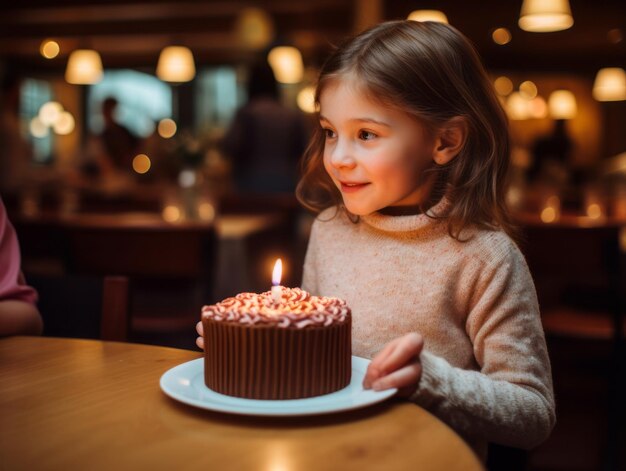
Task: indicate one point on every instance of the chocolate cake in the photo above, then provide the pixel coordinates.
(292, 347)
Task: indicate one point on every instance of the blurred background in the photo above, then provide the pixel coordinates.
(160, 140)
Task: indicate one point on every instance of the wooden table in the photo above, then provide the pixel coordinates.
(84, 404)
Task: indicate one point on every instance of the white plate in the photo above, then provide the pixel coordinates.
(185, 383)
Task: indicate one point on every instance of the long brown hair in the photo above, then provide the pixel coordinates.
(430, 71)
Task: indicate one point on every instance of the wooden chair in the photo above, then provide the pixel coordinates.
(115, 320)
(578, 273)
(83, 306)
(170, 268)
(579, 276)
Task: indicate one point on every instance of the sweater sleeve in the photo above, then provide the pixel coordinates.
(12, 283)
(510, 401)
(309, 274)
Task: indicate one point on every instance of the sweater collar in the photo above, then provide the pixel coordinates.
(411, 223)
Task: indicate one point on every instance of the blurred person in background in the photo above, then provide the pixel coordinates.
(266, 139)
(120, 145)
(111, 152)
(552, 155)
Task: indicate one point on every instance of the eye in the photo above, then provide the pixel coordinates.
(367, 135)
(329, 133)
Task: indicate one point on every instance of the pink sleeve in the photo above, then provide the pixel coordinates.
(12, 285)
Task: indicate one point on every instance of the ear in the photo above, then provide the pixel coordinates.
(450, 140)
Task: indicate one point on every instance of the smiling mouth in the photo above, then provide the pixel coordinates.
(350, 187)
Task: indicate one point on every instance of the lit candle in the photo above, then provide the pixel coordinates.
(276, 275)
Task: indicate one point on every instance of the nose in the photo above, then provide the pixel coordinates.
(342, 155)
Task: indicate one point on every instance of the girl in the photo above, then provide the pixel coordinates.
(408, 169)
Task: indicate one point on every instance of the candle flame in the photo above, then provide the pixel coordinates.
(277, 273)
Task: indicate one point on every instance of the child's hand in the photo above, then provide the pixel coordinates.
(200, 340)
(397, 366)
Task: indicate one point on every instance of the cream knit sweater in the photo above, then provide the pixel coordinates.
(486, 370)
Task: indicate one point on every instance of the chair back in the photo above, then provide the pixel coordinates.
(82, 306)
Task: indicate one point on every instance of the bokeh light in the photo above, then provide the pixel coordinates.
(141, 163)
(501, 36)
(503, 86)
(171, 213)
(65, 124)
(50, 112)
(37, 128)
(306, 99)
(206, 211)
(167, 128)
(49, 49)
(528, 89)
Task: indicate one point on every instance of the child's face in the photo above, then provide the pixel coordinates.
(376, 155)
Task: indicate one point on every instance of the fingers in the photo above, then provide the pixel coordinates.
(406, 376)
(407, 349)
(200, 339)
(398, 353)
(374, 370)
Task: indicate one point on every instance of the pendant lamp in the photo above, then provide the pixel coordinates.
(428, 15)
(84, 67)
(286, 62)
(562, 105)
(543, 16)
(176, 64)
(610, 84)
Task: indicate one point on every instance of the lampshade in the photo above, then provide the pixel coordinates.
(255, 28)
(517, 107)
(610, 84)
(306, 99)
(428, 15)
(286, 62)
(84, 67)
(542, 16)
(176, 64)
(562, 105)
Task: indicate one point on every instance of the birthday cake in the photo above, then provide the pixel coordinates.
(288, 346)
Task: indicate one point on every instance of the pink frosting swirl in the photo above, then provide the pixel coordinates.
(297, 308)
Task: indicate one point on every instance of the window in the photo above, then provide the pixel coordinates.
(33, 94)
(218, 97)
(142, 99)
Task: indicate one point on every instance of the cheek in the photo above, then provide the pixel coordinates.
(394, 163)
(404, 169)
(327, 164)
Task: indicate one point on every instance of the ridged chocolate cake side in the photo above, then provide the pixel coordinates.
(258, 349)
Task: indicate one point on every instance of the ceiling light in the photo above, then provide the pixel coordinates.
(543, 16)
(306, 99)
(428, 15)
(610, 84)
(562, 105)
(176, 64)
(255, 28)
(517, 107)
(286, 62)
(84, 67)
